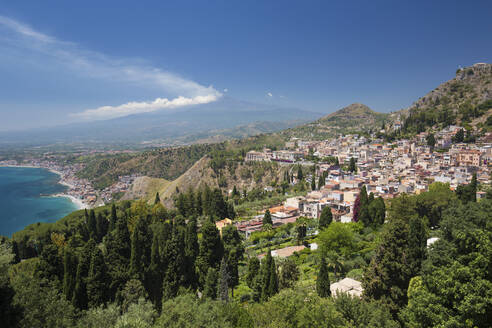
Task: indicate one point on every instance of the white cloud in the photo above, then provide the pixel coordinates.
(269, 94)
(226, 90)
(95, 65)
(107, 112)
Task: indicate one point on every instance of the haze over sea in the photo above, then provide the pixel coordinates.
(24, 198)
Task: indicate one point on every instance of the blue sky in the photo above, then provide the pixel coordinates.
(66, 61)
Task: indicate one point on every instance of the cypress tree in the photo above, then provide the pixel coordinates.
(323, 280)
(386, 278)
(352, 166)
(192, 249)
(267, 218)
(325, 218)
(417, 244)
(357, 208)
(97, 281)
(313, 182)
(101, 227)
(113, 219)
(118, 247)
(155, 276)
(79, 298)
(92, 225)
(300, 175)
(211, 250)
(210, 289)
(224, 281)
(253, 271)
(472, 188)
(233, 252)
(266, 272)
(157, 199)
(321, 182)
(273, 284)
(70, 271)
(140, 248)
(175, 273)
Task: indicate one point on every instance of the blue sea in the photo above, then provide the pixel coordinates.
(24, 198)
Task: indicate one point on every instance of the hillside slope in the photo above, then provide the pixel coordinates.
(243, 176)
(465, 99)
(351, 119)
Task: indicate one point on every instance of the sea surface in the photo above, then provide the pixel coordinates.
(24, 198)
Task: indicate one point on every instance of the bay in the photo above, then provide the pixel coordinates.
(25, 198)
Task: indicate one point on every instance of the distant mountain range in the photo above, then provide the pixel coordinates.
(216, 121)
(465, 99)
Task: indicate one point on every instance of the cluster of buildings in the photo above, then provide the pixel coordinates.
(124, 183)
(78, 188)
(385, 169)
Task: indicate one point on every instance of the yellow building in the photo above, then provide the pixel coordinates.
(222, 223)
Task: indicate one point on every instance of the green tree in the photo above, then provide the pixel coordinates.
(268, 277)
(132, 293)
(224, 278)
(69, 272)
(92, 225)
(417, 244)
(8, 311)
(313, 182)
(175, 276)
(118, 245)
(211, 280)
(377, 211)
(157, 199)
(288, 274)
(192, 249)
(50, 265)
(80, 299)
(211, 250)
(101, 227)
(323, 280)
(459, 136)
(386, 278)
(233, 253)
(97, 281)
(155, 273)
(325, 218)
(300, 175)
(140, 248)
(114, 217)
(352, 166)
(267, 218)
(253, 270)
(321, 181)
(301, 232)
(431, 140)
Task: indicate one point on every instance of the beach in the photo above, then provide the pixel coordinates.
(75, 200)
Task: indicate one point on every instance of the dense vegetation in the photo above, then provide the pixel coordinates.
(167, 163)
(139, 265)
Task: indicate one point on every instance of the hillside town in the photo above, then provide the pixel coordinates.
(385, 169)
(79, 190)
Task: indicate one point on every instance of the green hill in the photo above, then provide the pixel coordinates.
(354, 118)
(465, 100)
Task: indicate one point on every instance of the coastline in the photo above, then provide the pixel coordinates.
(78, 202)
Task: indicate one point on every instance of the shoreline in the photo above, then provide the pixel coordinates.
(78, 202)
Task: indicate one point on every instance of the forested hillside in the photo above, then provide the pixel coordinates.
(355, 118)
(166, 163)
(139, 265)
